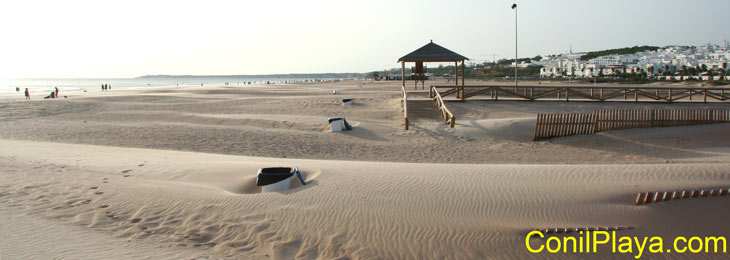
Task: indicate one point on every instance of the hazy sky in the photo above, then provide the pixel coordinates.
(133, 38)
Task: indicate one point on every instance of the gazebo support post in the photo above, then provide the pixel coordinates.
(462, 80)
(403, 73)
(456, 78)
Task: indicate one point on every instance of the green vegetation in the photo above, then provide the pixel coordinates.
(507, 62)
(487, 70)
(621, 51)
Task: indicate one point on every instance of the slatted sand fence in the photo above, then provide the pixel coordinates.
(557, 125)
(625, 119)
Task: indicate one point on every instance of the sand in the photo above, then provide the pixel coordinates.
(290, 121)
(170, 174)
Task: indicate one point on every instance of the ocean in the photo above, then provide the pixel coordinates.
(46, 85)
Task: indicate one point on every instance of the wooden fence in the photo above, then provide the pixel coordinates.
(405, 107)
(445, 112)
(557, 125)
(587, 93)
(654, 197)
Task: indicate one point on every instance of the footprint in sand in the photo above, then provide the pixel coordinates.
(140, 165)
(103, 206)
(78, 203)
(111, 215)
(135, 220)
(126, 175)
(93, 188)
(126, 171)
(98, 192)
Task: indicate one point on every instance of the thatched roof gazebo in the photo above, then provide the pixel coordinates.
(432, 52)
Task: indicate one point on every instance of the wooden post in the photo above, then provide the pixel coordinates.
(690, 95)
(456, 73)
(625, 92)
(705, 96)
(636, 95)
(670, 95)
(567, 95)
(532, 94)
(456, 78)
(601, 94)
(403, 73)
(462, 86)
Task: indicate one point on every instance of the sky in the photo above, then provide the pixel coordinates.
(98, 39)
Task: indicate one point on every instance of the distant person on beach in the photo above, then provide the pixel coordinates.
(56, 91)
(103, 87)
(27, 94)
(108, 87)
(17, 89)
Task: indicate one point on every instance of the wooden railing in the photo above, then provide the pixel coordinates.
(568, 93)
(405, 107)
(557, 125)
(445, 112)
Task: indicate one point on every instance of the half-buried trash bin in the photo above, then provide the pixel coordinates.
(275, 179)
(347, 101)
(337, 124)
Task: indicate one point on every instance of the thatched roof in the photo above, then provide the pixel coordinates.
(432, 52)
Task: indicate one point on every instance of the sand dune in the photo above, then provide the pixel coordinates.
(349, 209)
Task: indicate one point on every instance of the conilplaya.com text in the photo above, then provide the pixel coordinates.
(587, 242)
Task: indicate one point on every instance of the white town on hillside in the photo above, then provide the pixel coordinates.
(706, 62)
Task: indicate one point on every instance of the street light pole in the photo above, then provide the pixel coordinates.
(514, 6)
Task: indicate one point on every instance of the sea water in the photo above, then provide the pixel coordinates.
(44, 86)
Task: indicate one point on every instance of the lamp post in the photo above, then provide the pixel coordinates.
(514, 7)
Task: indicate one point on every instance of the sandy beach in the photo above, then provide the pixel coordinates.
(170, 174)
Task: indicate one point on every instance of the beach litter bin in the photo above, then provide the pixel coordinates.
(338, 124)
(335, 124)
(275, 179)
(347, 101)
(335, 92)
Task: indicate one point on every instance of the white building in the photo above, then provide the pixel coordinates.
(669, 60)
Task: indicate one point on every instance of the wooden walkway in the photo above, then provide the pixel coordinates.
(572, 93)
